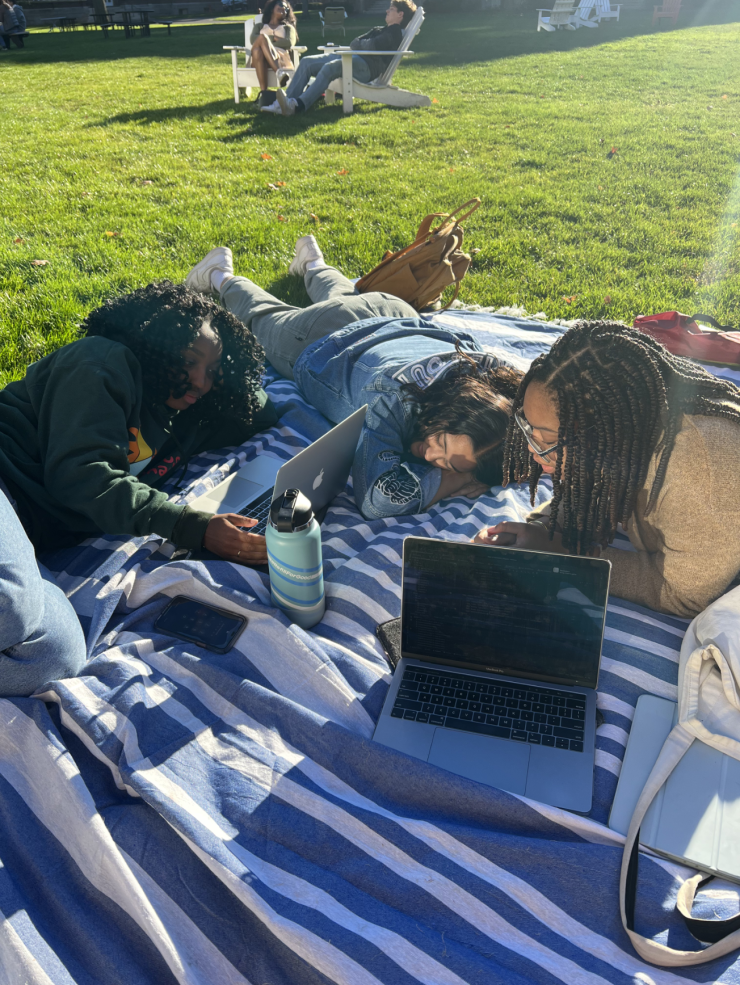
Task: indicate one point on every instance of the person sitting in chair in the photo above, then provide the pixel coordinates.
(272, 41)
(10, 28)
(323, 69)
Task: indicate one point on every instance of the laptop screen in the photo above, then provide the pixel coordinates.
(520, 613)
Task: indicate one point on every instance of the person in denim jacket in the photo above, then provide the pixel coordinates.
(438, 405)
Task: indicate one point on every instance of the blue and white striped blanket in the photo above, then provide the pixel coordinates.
(178, 816)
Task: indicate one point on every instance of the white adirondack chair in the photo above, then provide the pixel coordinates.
(561, 15)
(583, 14)
(605, 11)
(245, 76)
(379, 90)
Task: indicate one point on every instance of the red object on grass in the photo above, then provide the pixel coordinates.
(681, 335)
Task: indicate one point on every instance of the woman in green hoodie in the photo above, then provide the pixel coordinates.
(85, 438)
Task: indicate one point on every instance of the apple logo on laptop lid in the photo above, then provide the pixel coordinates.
(318, 480)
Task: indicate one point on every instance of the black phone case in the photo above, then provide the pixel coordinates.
(191, 638)
(389, 634)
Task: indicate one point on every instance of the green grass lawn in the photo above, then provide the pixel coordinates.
(122, 161)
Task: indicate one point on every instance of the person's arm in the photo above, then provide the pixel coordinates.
(389, 39)
(383, 484)
(83, 420)
(365, 41)
(289, 41)
(696, 524)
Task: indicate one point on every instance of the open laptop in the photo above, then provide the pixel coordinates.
(500, 660)
(319, 471)
(695, 816)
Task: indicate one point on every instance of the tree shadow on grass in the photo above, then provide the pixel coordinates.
(147, 117)
(246, 118)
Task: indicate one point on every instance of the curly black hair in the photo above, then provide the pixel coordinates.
(621, 397)
(471, 401)
(161, 320)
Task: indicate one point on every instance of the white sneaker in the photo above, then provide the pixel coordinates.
(218, 260)
(288, 106)
(307, 251)
(272, 108)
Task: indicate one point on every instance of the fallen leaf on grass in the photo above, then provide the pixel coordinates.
(39, 263)
(147, 181)
(343, 171)
(612, 152)
(571, 299)
(607, 299)
(601, 140)
(109, 233)
(710, 107)
(724, 97)
(19, 240)
(733, 135)
(452, 170)
(281, 218)
(313, 217)
(266, 157)
(280, 184)
(601, 188)
(733, 224)
(435, 100)
(87, 194)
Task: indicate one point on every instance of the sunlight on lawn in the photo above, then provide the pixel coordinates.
(607, 161)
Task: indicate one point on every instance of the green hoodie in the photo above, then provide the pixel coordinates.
(71, 430)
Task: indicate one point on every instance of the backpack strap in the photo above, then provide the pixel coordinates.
(673, 750)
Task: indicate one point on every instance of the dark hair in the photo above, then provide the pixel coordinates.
(158, 321)
(407, 8)
(470, 401)
(621, 396)
(270, 6)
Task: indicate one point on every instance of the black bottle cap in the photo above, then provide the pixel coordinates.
(290, 511)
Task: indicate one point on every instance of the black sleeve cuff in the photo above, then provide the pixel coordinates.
(190, 529)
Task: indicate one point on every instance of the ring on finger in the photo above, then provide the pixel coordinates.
(238, 553)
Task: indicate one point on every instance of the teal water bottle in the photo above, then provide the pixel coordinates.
(294, 557)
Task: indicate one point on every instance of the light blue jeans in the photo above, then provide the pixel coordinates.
(41, 639)
(323, 69)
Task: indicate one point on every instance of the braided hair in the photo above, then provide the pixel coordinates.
(621, 397)
(158, 322)
(471, 401)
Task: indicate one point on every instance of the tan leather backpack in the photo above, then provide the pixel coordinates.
(420, 273)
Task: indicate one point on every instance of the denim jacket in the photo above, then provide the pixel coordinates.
(369, 363)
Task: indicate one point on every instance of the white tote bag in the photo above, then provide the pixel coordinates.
(708, 711)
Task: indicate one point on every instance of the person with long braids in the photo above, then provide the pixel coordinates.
(630, 435)
(92, 429)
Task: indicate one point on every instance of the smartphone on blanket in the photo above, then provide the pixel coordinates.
(196, 622)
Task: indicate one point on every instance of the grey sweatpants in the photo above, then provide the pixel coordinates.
(285, 331)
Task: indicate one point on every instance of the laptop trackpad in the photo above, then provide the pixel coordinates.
(497, 762)
(230, 496)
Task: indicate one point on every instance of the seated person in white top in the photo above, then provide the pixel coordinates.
(272, 41)
(325, 68)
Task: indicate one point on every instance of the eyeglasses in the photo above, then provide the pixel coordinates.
(529, 435)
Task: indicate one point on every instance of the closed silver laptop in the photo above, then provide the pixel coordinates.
(500, 661)
(319, 471)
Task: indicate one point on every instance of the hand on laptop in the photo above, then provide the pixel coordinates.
(226, 535)
(524, 536)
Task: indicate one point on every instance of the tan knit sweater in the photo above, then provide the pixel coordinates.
(688, 547)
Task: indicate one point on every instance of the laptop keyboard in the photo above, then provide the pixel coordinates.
(259, 510)
(523, 712)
